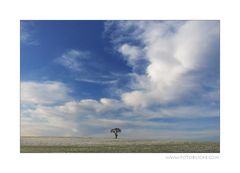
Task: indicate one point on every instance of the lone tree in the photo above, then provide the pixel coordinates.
(116, 131)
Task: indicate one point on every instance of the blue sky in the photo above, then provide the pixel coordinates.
(152, 79)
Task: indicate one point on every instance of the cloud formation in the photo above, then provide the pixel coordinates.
(180, 56)
(95, 118)
(72, 59)
(48, 92)
(175, 75)
(84, 67)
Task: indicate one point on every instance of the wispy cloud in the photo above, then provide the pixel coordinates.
(83, 64)
(27, 33)
(73, 59)
(98, 81)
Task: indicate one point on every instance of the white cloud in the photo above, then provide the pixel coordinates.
(132, 53)
(85, 67)
(174, 52)
(49, 92)
(50, 128)
(72, 59)
(66, 119)
(192, 111)
(80, 117)
(98, 81)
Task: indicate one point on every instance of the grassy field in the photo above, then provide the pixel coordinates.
(100, 145)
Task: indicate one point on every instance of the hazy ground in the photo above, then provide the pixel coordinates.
(103, 145)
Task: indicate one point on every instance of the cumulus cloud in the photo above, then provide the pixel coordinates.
(49, 92)
(93, 117)
(132, 53)
(81, 119)
(49, 116)
(180, 56)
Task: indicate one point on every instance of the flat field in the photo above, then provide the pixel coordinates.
(106, 145)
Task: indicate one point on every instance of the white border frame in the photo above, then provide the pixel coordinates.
(12, 11)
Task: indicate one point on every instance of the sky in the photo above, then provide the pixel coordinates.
(153, 79)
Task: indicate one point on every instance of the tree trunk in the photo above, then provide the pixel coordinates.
(116, 136)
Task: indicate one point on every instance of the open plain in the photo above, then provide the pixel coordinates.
(107, 145)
